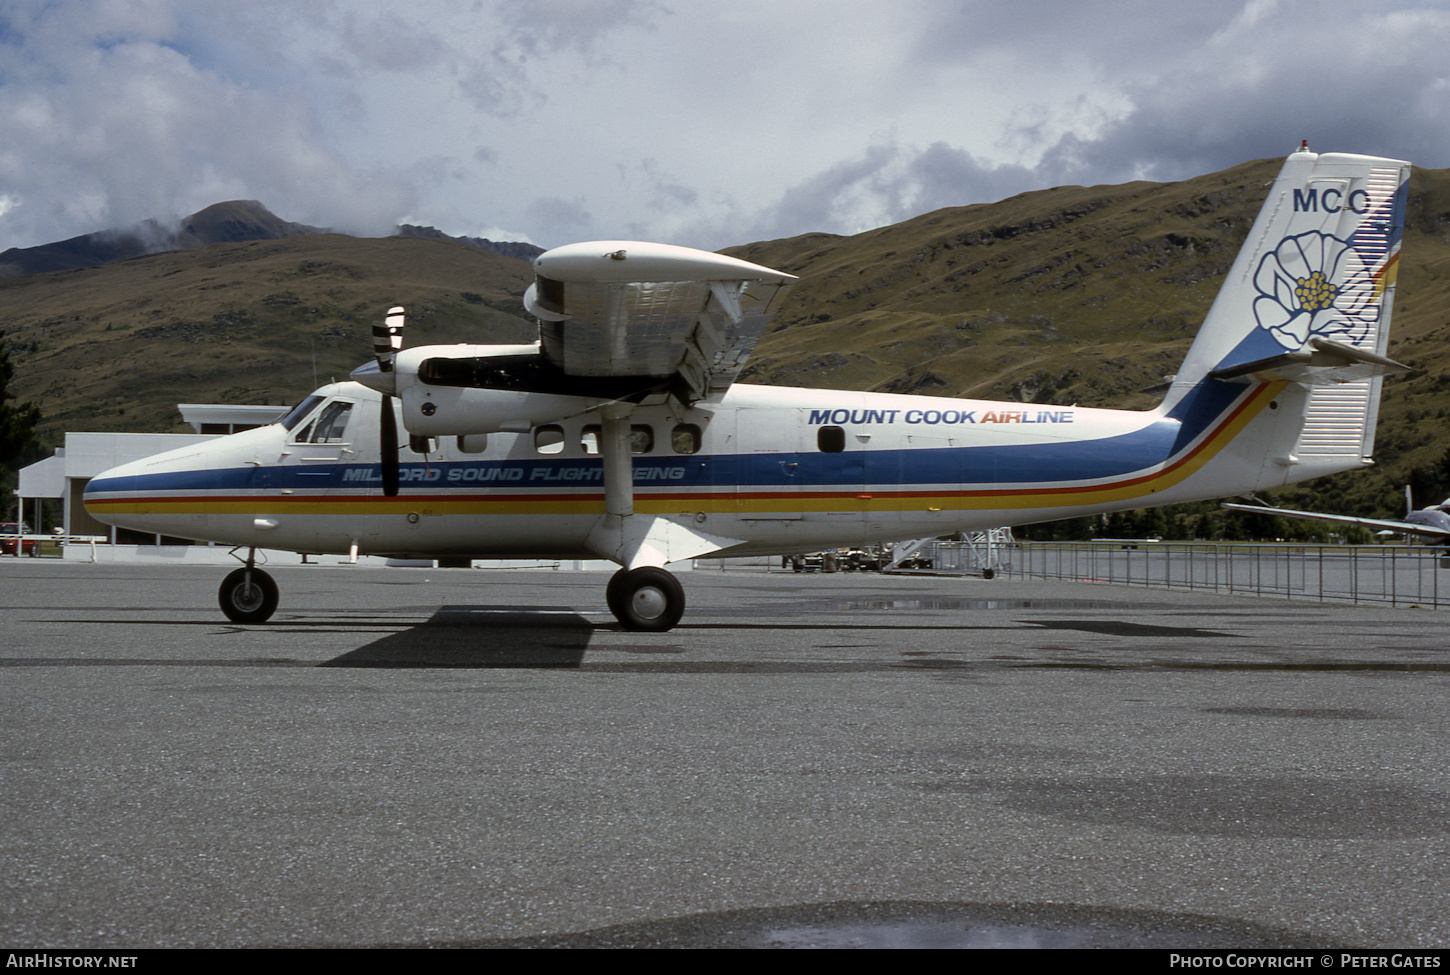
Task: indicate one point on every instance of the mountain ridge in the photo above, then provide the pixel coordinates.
(229, 222)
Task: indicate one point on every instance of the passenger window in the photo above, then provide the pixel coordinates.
(549, 439)
(331, 425)
(831, 440)
(475, 443)
(641, 439)
(685, 439)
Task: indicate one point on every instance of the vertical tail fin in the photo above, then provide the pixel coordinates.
(1319, 262)
(1308, 300)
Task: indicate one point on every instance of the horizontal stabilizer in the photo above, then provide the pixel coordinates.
(1377, 524)
(1321, 362)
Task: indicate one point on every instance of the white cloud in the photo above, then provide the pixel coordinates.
(106, 127)
(695, 122)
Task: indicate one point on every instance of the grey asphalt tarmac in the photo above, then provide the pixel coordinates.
(470, 757)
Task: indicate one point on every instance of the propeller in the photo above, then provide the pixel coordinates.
(387, 340)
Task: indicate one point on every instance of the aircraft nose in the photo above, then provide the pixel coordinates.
(106, 494)
(153, 494)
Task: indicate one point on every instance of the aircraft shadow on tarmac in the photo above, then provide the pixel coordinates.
(486, 637)
(480, 637)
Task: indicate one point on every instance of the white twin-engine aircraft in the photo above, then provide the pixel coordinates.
(623, 435)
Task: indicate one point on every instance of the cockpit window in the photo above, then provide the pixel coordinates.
(299, 412)
(331, 425)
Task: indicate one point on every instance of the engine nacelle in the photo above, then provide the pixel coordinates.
(453, 411)
(458, 390)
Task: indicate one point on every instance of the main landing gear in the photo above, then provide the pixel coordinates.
(248, 595)
(646, 599)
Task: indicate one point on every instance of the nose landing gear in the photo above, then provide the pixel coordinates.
(248, 595)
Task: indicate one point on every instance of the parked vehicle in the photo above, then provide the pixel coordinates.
(9, 531)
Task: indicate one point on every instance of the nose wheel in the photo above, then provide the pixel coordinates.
(646, 599)
(248, 596)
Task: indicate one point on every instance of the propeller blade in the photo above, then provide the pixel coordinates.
(388, 338)
(388, 447)
(1409, 502)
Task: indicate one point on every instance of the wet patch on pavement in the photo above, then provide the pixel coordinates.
(917, 924)
(1120, 628)
(1227, 805)
(1341, 714)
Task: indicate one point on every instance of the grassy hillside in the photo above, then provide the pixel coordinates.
(117, 347)
(1066, 295)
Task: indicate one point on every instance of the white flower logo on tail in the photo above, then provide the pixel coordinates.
(1306, 287)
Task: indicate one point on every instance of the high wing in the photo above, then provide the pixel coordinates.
(688, 318)
(627, 308)
(1403, 526)
(622, 323)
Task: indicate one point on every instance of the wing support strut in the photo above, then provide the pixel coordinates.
(635, 540)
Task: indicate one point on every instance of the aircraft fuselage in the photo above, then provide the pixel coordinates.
(779, 469)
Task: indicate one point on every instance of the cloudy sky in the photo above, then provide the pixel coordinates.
(701, 122)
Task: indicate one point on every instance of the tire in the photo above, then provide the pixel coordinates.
(646, 600)
(612, 597)
(248, 596)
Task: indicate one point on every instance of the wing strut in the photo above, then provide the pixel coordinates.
(618, 468)
(623, 536)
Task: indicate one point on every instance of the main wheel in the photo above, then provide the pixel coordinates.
(248, 596)
(613, 597)
(645, 599)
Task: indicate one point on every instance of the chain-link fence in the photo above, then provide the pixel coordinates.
(1393, 575)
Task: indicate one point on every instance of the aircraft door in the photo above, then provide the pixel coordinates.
(721, 457)
(320, 445)
(834, 489)
(915, 480)
(882, 477)
(770, 473)
(319, 456)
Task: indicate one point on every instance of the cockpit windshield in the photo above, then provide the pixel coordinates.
(299, 412)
